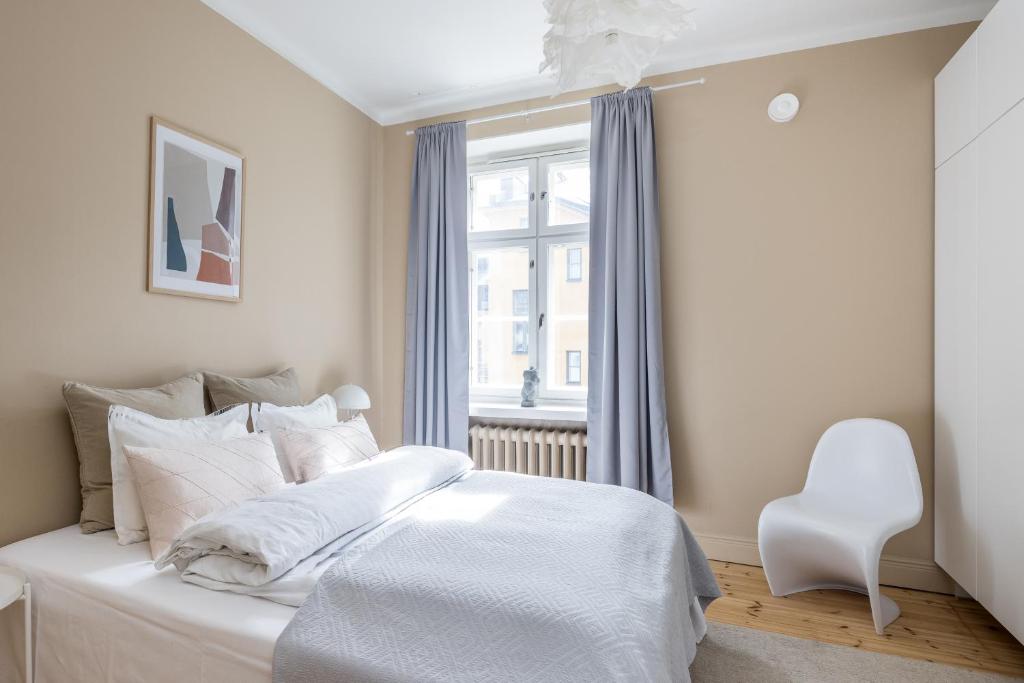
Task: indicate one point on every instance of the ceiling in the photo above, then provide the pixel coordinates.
(401, 60)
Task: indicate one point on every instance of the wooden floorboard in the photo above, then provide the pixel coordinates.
(932, 626)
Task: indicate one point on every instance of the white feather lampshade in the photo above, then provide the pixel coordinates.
(592, 42)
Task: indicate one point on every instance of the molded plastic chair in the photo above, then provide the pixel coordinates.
(862, 488)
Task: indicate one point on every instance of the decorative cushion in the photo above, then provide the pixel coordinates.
(271, 418)
(312, 453)
(177, 486)
(128, 427)
(281, 388)
(88, 407)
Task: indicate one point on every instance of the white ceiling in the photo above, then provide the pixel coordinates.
(400, 60)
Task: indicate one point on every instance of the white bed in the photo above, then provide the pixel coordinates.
(413, 543)
(103, 613)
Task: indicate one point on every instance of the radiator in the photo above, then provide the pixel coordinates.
(545, 452)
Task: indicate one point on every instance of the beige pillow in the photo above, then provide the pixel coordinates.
(281, 388)
(179, 485)
(312, 453)
(88, 407)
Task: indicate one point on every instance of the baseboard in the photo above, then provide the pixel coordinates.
(904, 572)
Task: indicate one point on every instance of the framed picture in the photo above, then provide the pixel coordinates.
(195, 221)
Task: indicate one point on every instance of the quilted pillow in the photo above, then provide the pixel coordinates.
(271, 418)
(179, 485)
(312, 453)
(135, 428)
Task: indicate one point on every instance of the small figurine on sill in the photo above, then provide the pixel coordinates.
(531, 380)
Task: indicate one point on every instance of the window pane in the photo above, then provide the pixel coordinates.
(483, 298)
(573, 366)
(520, 302)
(569, 192)
(565, 321)
(500, 331)
(573, 264)
(520, 338)
(499, 200)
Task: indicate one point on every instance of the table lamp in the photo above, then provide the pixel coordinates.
(351, 399)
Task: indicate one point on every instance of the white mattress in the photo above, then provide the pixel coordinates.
(103, 613)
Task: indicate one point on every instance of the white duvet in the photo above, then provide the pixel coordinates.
(412, 568)
(277, 546)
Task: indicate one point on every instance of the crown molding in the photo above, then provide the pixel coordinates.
(265, 33)
(529, 87)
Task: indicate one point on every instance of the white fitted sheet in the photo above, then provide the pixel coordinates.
(104, 613)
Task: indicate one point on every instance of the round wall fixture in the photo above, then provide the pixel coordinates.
(783, 108)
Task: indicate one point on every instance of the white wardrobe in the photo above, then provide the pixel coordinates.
(979, 315)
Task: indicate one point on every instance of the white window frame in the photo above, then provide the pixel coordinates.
(538, 237)
(513, 233)
(543, 166)
(543, 247)
(482, 244)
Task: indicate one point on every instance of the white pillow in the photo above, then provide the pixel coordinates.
(181, 484)
(312, 453)
(270, 418)
(129, 427)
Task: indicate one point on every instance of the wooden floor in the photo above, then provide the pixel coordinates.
(932, 626)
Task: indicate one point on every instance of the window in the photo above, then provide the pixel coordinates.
(520, 302)
(499, 199)
(568, 187)
(491, 327)
(529, 247)
(573, 367)
(483, 298)
(574, 265)
(520, 338)
(481, 364)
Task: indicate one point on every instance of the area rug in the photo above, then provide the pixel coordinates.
(734, 654)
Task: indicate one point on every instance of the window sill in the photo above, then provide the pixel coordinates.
(557, 412)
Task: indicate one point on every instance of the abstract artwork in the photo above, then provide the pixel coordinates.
(195, 231)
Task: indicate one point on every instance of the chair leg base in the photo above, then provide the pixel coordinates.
(889, 611)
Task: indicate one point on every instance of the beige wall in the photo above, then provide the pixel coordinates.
(797, 271)
(797, 259)
(78, 82)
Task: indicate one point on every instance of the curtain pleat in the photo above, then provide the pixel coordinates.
(627, 427)
(437, 293)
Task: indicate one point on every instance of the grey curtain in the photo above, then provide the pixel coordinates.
(626, 423)
(437, 293)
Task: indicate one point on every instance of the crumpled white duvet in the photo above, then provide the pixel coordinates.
(277, 546)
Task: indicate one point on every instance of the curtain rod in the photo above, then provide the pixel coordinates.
(563, 105)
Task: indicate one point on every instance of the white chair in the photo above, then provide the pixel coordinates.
(862, 488)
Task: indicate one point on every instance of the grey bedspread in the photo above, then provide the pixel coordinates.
(504, 577)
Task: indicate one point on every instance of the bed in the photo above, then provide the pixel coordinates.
(411, 568)
(104, 613)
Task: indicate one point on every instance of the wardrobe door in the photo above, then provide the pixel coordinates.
(956, 102)
(1001, 370)
(1000, 60)
(956, 366)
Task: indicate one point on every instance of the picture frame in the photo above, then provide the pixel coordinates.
(196, 215)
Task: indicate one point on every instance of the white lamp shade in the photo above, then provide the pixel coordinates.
(351, 397)
(592, 42)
